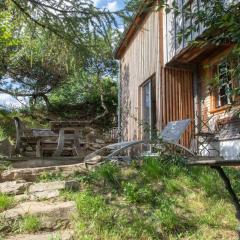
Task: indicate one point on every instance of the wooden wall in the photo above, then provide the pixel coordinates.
(175, 24)
(177, 97)
(208, 97)
(139, 62)
(174, 90)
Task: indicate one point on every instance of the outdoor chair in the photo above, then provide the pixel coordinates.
(205, 136)
(170, 135)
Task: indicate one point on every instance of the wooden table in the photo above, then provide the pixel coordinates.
(217, 165)
(57, 125)
(68, 131)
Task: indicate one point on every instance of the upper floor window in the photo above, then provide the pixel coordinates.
(225, 84)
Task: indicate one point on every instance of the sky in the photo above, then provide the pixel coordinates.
(111, 5)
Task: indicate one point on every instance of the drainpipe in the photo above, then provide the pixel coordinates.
(119, 103)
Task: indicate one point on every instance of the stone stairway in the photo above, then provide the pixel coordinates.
(57, 235)
(41, 200)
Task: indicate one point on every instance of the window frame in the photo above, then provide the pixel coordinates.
(215, 97)
(227, 85)
(153, 118)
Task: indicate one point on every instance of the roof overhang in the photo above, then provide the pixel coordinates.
(196, 53)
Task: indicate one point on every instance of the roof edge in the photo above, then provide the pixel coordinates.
(130, 31)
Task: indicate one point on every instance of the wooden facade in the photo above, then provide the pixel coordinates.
(139, 63)
(150, 50)
(177, 97)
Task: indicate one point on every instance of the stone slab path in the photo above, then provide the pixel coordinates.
(61, 235)
(14, 187)
(42, 200)
(51, 215)
(31, 174)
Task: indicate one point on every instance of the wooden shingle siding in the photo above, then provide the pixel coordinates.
(177, 97)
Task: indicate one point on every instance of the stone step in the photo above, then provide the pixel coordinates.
(51, 215)
(30, 174)
(37, 191)
(47, 190)
(63, 235)
(14, 187)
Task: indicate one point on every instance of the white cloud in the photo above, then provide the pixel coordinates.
(112, 6)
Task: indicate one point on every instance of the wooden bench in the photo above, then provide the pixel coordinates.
(29, 141)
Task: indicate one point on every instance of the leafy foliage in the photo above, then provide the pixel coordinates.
(29, 223)
(220, 21)
(177, 204)
(5, 202)
(45, 44)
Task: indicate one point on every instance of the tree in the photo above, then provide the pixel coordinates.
(44, 42)
(51, 42)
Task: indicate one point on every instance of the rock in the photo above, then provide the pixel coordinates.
(157, 187)
(51, 189)
(14, 187)
(94, 160)
(5, 148)
(96, 145)
(100, 141)
(56, 185)
(30, 174)
(21, 197)
(63, 235)
(44, 195)
(52, 215)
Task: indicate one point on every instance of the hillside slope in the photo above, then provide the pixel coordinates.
(154, 198)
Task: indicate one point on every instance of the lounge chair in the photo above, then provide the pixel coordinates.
(171, 134)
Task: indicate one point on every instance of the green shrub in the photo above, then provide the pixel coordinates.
(136, 193)
(50, 176)
(109, 173)
(165, 213)
(93, 212)
(154, 168)
(5, 202)
(29, 224)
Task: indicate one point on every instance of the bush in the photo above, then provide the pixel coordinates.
(93, 212)
(165, 213)
(109, 173)
(135, 193)
(154, 168)
(50, 176)
(5, 202)
(29, 224)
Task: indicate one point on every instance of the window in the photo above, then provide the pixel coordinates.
(148, 108)
(225, 85)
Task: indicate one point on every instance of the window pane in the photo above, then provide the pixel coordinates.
(223, 100)
(222, 91)
(225, 87)
(146, 110)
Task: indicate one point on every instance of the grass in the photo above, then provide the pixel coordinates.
(159, 199)
(29, 224)
(49, 177)
(5, 202)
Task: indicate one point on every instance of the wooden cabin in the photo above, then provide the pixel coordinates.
(162, 80)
